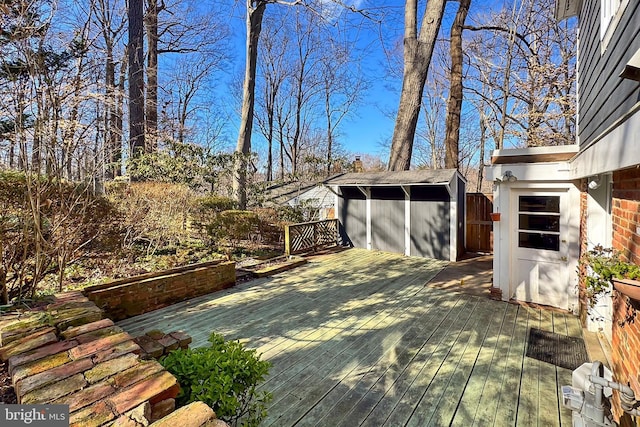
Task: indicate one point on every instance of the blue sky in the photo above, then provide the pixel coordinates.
(371, 123)
(370, 127)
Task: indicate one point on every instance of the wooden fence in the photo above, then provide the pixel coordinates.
(479, 225)
(310, 236)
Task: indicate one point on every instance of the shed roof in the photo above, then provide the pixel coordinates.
(411, 177)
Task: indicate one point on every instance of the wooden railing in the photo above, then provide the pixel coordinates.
(310, 236)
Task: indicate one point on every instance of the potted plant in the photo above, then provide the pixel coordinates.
(607, 268)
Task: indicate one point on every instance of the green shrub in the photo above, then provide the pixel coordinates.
(215, 204)
(603, 265)
(206, 209)
(224, 376)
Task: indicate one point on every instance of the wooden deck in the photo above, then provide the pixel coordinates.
(357, 338)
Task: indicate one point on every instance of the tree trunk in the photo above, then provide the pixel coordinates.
(506, 92)
(327, 106)
(270, 144)
(136, 77)
(243, 147)
(483, 139)
(36, 156)
(417, 58)
(118, 123)
(151, 105)
(111, 136)
(271, 96)
(454, 103)
(281, 140)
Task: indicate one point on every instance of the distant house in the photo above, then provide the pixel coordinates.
(314, 199)
(417, 213)
(557, 202)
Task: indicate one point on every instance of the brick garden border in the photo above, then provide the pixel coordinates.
(124, 298)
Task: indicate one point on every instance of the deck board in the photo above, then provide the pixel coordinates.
(479, 385)
(359, 338)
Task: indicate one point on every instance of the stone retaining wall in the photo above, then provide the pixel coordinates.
(136, 295)
(66, 353)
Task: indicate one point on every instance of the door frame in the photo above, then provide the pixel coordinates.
(504, 258)
(562, 254)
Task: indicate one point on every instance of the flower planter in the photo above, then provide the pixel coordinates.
(495, 216)
(628, 287)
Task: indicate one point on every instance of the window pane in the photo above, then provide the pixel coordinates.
(539, 222)
(550, 242)
(539, 204)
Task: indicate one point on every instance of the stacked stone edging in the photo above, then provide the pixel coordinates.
(68, 354)
(155, 343)
(136, 295)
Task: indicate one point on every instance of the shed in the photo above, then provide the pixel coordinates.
(416, 213)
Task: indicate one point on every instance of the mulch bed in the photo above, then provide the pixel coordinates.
(7, 393)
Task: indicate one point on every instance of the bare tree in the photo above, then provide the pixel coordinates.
(151, 101)
(186, 86)
(255, 10)
(532, 97)
(274, 71)
(136, 77)
(111, 22)
(342, 86)
(454, 103)
(429, 147)
(418, 49)
(179, 28)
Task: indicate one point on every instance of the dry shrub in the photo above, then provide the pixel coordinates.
(47, 224)
(231, 227)
(155, 214)
(271, 226)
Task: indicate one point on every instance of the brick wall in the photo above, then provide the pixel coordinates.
(140, 294)
(626, 331)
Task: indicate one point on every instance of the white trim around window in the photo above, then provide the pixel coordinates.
(610, 14)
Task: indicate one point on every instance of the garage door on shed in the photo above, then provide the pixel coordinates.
(430, 222)
(387, 219)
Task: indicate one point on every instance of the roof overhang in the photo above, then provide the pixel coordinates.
(398, 185)
(566, 9)
(631, 71)
(557, 153)
(541, 164)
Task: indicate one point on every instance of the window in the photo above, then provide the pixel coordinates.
(539, 222)
(610, 11)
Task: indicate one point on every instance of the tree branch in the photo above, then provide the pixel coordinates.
(521, 37)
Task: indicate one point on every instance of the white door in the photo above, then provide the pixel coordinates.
(539, 269)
